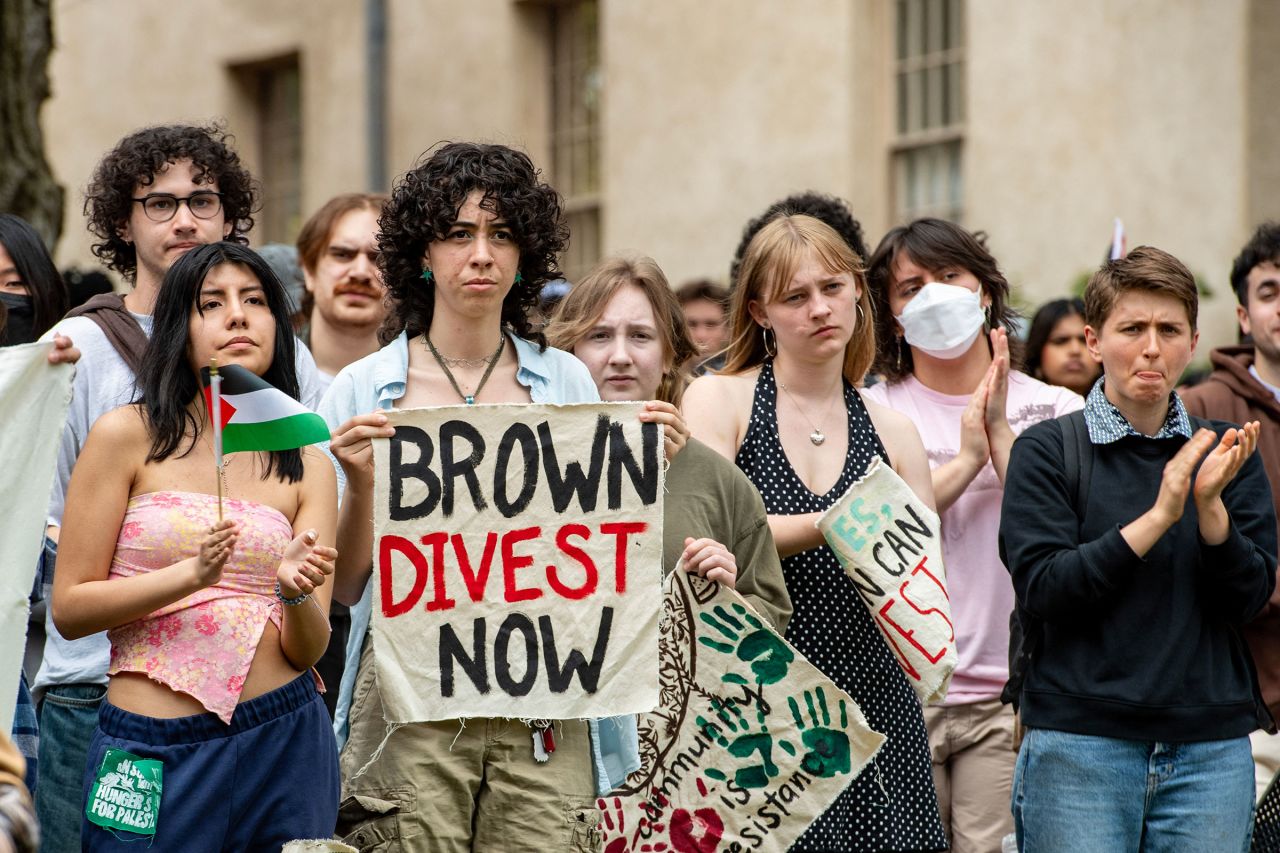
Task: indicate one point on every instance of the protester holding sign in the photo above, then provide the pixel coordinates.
(1140, 541)
(942, 315)
(467, 241)
(788, 410)
(213, 735)
(624, 323)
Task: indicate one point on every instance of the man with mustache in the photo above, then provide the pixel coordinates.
(1245, 386)
(159, 193)
(343, 304)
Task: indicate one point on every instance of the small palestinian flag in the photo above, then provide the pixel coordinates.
(256, 415)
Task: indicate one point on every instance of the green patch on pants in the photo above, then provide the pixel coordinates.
(126, 793)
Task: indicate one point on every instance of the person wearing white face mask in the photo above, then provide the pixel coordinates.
(936, 290)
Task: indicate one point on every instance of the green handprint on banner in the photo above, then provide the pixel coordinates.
(770, 657)
(745, 743)
(828, 748)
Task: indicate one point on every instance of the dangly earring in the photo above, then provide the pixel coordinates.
(519, 279)
(426, 275)
(764, 336)
(899, 340)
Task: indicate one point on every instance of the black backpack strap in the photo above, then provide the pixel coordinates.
(1024, 629)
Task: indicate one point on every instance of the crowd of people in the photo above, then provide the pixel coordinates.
(1110, 541)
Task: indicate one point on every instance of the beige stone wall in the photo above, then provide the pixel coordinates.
(1158, 111)
(1131, 109)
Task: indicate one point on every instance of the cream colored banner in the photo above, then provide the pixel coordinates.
(890, 544)
(751, 743)
(517, 562)
(34, 396)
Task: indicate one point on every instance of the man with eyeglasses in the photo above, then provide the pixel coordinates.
(159, 193)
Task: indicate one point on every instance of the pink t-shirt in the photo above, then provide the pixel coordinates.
(203, 644)
(978, 583)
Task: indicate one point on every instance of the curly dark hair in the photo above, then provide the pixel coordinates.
(934, 244)
(1263, 247)
(426, 201)
(833, 211)
(138, 158)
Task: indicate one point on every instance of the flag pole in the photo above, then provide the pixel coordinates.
(215, 385)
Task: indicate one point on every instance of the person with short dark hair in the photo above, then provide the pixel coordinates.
(1245, 386)
(344, 303)
(467, 241)
(215, 622)
(160, 192)
(1140, 542)
(705, 306)
(1055, 352)
(942, 318)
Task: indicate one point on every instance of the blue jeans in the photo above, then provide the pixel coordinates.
(1082, 793)
(68, 716)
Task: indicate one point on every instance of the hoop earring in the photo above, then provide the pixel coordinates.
(764, 336)
(858, 305)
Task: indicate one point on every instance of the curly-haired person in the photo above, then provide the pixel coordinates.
(467, 240)
(159, 193)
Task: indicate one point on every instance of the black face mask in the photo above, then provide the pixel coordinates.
(20, 323)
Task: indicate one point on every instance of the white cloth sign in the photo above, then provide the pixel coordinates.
(517, 562)
(890, 544)
(751, 743)
(34, 396)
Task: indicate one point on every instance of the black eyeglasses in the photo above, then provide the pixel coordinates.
(161, 207)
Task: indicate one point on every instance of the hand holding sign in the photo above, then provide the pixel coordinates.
(890, 545)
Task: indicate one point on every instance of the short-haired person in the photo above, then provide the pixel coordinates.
(1245, 386)
(1140, 543)
(467, 241)
(159, 193)
(344, 300)
(787, 409)
(214, 620)
(705, 306)
(942, 315)
(622, 321)
(1056, 353)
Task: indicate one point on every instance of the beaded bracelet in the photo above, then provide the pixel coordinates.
(292, 602)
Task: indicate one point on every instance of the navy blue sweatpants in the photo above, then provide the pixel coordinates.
(269, 777)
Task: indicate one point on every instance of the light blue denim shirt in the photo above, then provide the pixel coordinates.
(378, 381)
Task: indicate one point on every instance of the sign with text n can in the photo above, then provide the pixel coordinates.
(750, 744)
(890, 545)
(517, 562)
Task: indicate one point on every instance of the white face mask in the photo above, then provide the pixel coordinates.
(943, 320)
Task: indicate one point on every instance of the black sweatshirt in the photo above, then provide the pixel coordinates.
(1133, 647)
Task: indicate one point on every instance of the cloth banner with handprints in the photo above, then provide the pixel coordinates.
(517, 562)
(890, 544)
(750, 744)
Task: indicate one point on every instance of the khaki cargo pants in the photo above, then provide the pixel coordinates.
(436, 788)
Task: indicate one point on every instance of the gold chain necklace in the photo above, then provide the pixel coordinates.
(469, 399)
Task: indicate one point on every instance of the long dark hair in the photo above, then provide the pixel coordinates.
(35, 268)
(934, 244)
(426, 201)
(1042, 326)
(167, 383)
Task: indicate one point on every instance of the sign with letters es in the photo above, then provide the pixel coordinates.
(517, 562)
(890, 545)
(750, 744)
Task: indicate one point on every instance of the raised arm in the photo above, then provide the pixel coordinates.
(84, 600)
(309, 562)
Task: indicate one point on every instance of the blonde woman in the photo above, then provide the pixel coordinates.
(788, 411)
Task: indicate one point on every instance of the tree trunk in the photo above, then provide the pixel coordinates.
(27, 186)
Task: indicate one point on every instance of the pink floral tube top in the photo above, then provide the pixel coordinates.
(204, 644)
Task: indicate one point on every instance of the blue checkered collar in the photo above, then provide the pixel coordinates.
(1107, 424)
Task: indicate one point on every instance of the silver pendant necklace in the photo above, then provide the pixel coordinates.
(469, 399)
(817, 437)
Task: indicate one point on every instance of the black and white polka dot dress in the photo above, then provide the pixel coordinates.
(892, 805)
